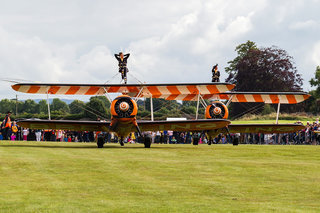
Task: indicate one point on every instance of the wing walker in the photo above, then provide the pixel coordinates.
(124, 107)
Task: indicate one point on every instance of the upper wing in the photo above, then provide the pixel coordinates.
(264, 128)
(266, 97)
(187, 125)
(168, 91)
(65, 125)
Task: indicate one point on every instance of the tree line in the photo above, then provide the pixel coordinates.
(258, 69)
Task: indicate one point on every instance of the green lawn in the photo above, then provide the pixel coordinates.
(77, 177)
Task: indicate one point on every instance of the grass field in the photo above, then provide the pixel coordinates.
(77, 177)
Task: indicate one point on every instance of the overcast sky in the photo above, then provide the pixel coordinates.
(169, 40)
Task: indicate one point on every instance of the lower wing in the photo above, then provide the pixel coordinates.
(65, 125)
(185, 125)
(265, 128)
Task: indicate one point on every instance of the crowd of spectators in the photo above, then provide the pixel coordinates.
(309, 135)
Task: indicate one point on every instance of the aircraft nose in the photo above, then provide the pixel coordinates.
(217, 110)
(124, 106)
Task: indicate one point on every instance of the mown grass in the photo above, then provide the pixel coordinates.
(77, 177)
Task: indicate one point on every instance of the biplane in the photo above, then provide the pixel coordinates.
(124, 108)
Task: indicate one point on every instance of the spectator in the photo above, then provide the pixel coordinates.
(38, 135)
(13, 137)
(25, 133)
(6, 125)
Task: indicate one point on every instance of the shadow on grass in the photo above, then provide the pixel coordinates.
(92, 146)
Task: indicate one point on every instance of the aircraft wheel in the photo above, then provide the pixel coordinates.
(147, 141)
(235, 141)
(100, 142)
(195, 141)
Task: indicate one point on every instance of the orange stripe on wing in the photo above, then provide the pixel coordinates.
(156, 96)
(113, 89)
(33, 89)
(291, 99)
(241, 98)
(172, 97)
(305, 97)
(174, 90)
(189, 97)
(16, 87)
(154, 90)
(213, 89)
(193, 89)
(230, 86)
(274, 99)
(53, 89)
(257, 98)
(133, 89)
(72, 90)
(207, 96)
(92, 90)
(224, 96)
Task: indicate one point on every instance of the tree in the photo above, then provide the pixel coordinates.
(7, 105)
(104, 100)
(262, 70)
(312, 104)
(43, 107)
(315, 82)
(242, 50)
(266, 69)
(58, 105)
(77, 107)
(30, 106)
(95, 109)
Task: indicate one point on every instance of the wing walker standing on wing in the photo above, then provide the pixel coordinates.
(122, 59)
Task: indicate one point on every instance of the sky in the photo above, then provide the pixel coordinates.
(172, 41)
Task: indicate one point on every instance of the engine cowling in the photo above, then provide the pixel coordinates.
(217, 110)
(124, 107)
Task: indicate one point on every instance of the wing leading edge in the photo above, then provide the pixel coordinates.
(265, 128)
(143, 90)
(65, 125)
(188, 125)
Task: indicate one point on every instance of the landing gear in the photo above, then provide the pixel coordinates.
(121, 141)
(147, 141)
(235, 141)
(196, 138)
(100, 142)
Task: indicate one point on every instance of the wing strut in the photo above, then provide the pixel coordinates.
(197, 112)
(48, 105)
(278, 111)
(107, 95)
(151, 108)
(229, 101)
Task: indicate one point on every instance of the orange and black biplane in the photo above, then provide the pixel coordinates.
(124, 108)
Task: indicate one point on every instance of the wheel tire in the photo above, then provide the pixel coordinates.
(235, 141)
(100, 142)
(195, 141)
(147, 141)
